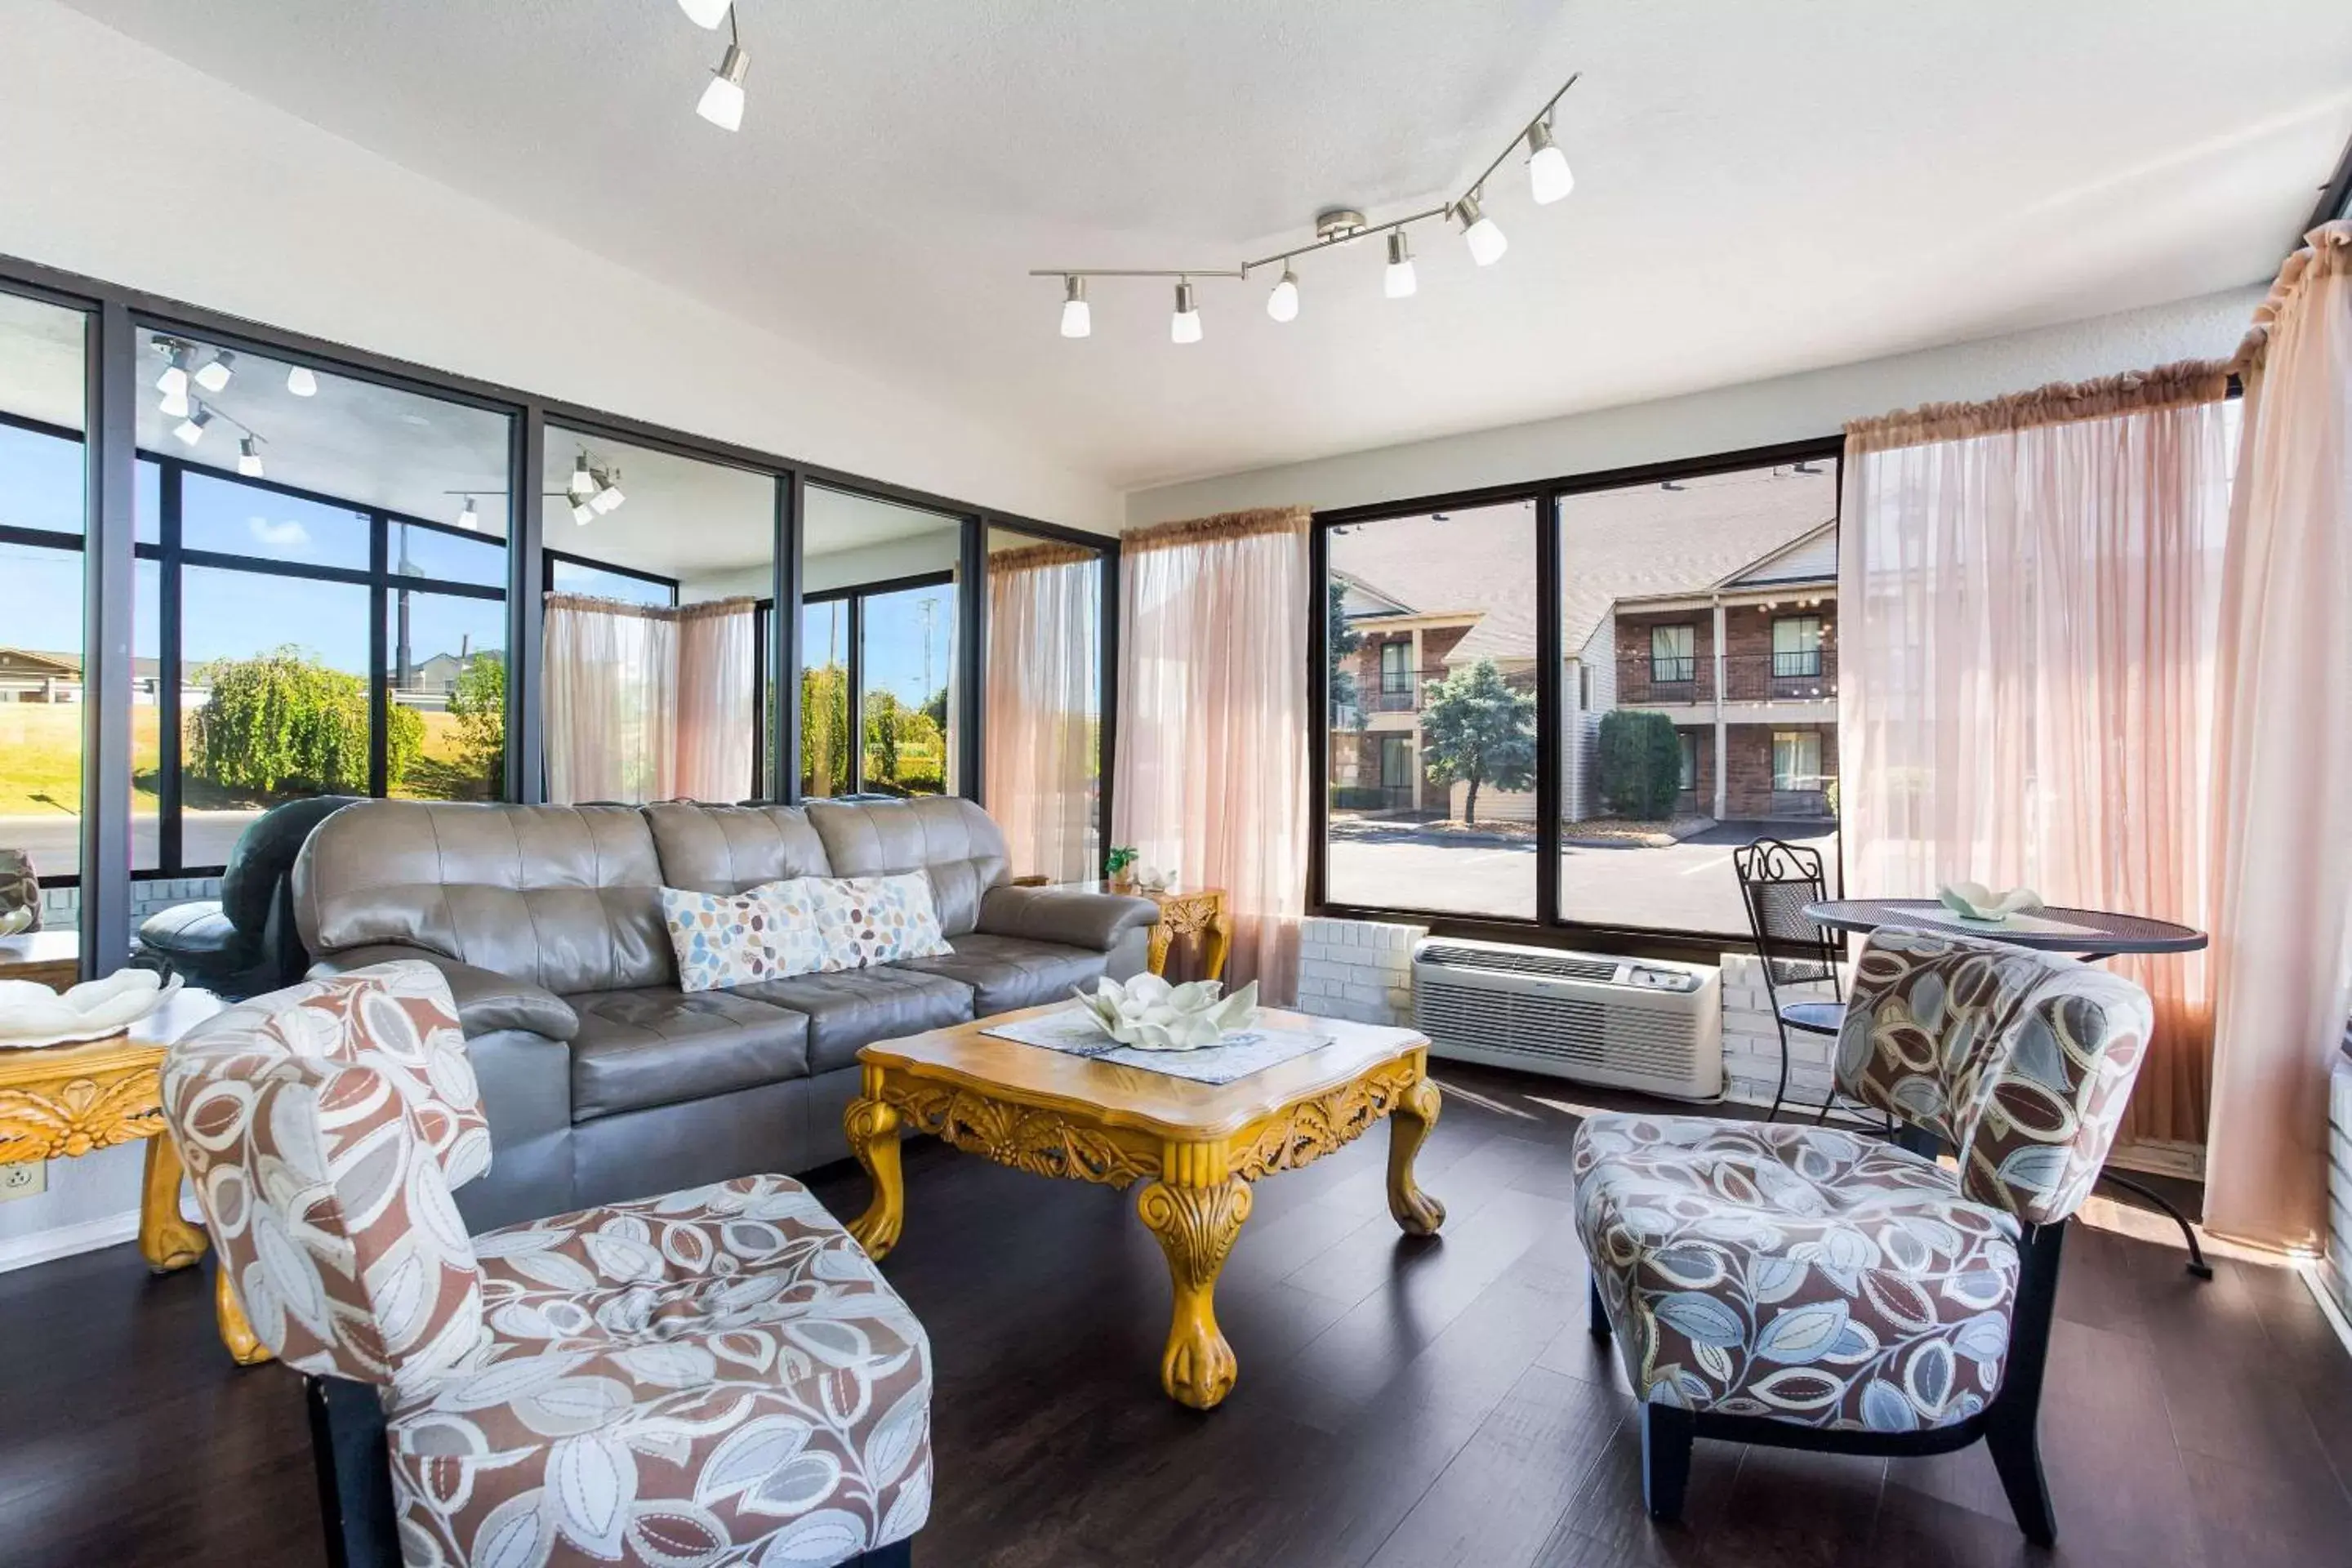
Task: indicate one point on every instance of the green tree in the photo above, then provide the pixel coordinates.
(1345, 639)
(1641, 764)
(479, 703)
(882, 736)
(1476, 729)
(283, 722)
(938, 709)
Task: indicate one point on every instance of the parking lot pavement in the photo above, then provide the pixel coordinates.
(1688, 886)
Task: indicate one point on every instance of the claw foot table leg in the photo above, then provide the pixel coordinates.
(1417, 1214)
(1196, 1227)
(873, 1129)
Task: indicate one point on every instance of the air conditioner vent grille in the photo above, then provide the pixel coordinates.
(1518, 961)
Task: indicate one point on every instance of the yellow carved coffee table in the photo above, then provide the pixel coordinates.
(61, 1101)
(1196, 1147)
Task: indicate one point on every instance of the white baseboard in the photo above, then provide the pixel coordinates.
(2314, 1277)
(65, 1240)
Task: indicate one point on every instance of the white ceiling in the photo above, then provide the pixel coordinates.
(1761, 188)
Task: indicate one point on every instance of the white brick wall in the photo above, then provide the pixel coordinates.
(1357, 969)
(1751, 1037)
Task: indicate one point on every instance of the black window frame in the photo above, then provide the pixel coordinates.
(117, 321)
(856, 595)
(1402, 683)
(1549, 927)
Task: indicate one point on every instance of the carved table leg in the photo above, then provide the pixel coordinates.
(1416, 1212)
(229, 1315)
(1218, 942)
(1162, 937)
(1196, 1227)
(873, 1129)
(165, 1240)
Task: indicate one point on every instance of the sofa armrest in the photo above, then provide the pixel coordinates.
(487, 1000)
(1064, 915)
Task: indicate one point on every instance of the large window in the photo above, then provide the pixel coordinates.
(1694, 611)
(1692, 606)
(1430, 741)
(41, 643)
(331, 555)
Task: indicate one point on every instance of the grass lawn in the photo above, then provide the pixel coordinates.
(40, 764)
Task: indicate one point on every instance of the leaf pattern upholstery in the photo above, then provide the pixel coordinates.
(1810, 1276)
(717, 1376)
(713, 1377)
(2021, 1061)
(324, 1127)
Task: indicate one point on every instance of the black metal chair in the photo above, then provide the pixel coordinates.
(1777, 880)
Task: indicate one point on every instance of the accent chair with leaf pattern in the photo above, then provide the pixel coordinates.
(1805, 1287)
(714, 1377)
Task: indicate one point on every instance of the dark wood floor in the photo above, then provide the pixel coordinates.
(1401, 1403)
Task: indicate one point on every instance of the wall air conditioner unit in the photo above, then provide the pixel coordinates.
(1627, 1023)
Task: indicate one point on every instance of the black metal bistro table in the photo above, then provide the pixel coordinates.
(2085, 933)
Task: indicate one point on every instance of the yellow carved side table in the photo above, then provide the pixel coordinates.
(1203, 914)
(61, 1101)
(1196, 1147)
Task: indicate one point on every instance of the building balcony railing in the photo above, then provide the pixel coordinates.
(1689, 681)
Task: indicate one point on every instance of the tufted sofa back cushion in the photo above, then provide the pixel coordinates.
(2022, 1061)
(955, 841)
(729, 849)
(324, 1127)
(567, 897)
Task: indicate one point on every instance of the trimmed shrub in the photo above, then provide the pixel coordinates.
(1641, 764)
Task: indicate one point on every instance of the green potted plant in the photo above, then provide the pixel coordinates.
(1120, 864)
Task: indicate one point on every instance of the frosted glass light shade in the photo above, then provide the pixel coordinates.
(722, 100)
(1549, 175)
(302, 383)
(704, 13)
(1283, 303)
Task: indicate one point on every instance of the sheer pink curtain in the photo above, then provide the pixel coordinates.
(640, 701)
(2282, 812)
(2028, 605)
(717, 687)
(1211, 765)
(1045, 662)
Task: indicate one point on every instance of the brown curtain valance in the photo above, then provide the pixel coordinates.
(735, 606)
(1224, 525)
(2326, 250)
(1033, 557)
(2060, 402)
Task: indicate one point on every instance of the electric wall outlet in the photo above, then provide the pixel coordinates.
(24, 1181)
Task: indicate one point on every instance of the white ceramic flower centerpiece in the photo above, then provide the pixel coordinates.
(1975, 901)
(32, 1014)
(1150, 1014)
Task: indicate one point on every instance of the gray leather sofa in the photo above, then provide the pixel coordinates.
(602, 1079)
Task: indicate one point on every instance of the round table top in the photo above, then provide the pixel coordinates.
(2090, 932)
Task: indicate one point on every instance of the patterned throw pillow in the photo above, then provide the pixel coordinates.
(881, 920)
(768, 932)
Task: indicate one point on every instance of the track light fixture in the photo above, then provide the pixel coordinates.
(1184, 326)
(300, 382)
(248, 456)
(214, 376)
(1485, 241)
(1549, 180)
(704, 13)
(175, 404)
(1398, 282)
(1077, 320)
(583, 482)
(192, 429)
(609, 499)
(582, 513)
(469, 519)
